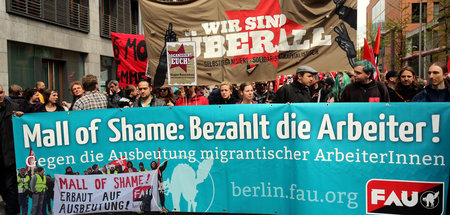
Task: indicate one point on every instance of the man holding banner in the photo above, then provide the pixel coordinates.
(8, 180)
(365, 89)
(92, 99)
(438, 90)
(146, 98)
(297, 91)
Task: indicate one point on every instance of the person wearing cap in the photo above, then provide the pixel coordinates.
(391, 79)
(299, 90)
(365, 89)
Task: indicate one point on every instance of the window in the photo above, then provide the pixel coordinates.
(435, 39)
(435, 10)
(73, 14)
(56, 67)
(415, 15)
(119, 16)
(107, 70)
(415, 42)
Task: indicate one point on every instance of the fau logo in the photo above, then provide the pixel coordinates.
(404, 197)
(140, 192)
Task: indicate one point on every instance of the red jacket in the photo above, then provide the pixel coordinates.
(197, 100)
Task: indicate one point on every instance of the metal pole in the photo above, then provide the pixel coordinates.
(420, 40)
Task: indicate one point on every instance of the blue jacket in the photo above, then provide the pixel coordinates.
(433, 95)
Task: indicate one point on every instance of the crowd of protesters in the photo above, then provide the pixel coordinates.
(307, 85)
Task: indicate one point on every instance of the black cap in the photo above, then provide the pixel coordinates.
(391, 74)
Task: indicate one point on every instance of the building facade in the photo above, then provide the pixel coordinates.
(401, 29)
(58, 42)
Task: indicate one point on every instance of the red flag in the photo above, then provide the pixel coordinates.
(368, 55)
(448, 65)
(157, 164)
(120, 162)
(159, 152)
(320, 76)
(32, 159)
(376, 46)
(277, 84)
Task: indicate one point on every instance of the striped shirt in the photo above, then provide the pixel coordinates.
(91, 100)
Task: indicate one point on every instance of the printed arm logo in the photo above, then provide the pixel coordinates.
(161, 70)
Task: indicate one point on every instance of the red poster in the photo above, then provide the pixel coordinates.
(130, 54)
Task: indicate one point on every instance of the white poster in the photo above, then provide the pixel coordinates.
(75, 194)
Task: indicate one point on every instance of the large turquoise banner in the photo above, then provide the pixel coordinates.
(273, 159)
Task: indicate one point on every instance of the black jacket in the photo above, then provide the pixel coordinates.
(403, 93)
(154, 103)
(433, 95)
(215, 98)
(6, 130)
(42, 108)
(356, 92)
(21, 101)
(293, 93)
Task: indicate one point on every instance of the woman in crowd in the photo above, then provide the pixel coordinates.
(33, 103)
(191, 97)
(130, 167)
(51, 102)
(342, 80)
(246, 94)
(166, 94)
(76, 88)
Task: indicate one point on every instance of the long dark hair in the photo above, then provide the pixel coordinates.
(414, 84)
(46, 94)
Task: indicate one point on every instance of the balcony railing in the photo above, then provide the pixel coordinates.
(111, 24)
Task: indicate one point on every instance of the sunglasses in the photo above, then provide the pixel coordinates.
(1, 92)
